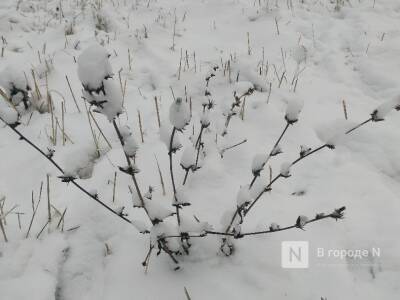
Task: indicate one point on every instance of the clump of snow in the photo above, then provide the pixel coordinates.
(301, 221)
(181, 197)
(8, 113)
(285, 169)
(274, 227)
(108, 103)
(334, 133)
(157, 212)
(179, 114)
(165, 136)
(243, 87)
(205, 120)
(304, 150)
(130, 144)
(244, 196)
(258, 163)
(385, 108)
(15, 85)
(188, 159)
(277, 150)
(293, 110)
(103, 20)
(299, 54)
(191, 225)
(94, 67)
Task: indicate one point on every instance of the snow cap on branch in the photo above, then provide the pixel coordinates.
(244, 196)
(157, 212)
(165, 136)
(130, 144)
(190, 225)
(179, 114)
(293, 110)
(188, 159)
(258, 163)
(285, 169)
(161, 230)
(301, 221)
(8, 113)
(109, 103)
(94, 67)
(277, 150)
(205, 120)
(304, 150)
(180, 197)
(15, 85)
(274, 227)
(385, 108)
(243, 88)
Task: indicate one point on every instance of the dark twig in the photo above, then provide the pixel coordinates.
(171, 170)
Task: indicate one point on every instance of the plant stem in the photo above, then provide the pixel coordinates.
(171, 170)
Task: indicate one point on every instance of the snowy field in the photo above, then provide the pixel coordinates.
(205, 88)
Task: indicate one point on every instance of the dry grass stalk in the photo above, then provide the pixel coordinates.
(73, 95)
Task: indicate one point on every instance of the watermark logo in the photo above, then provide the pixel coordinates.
(294, 255)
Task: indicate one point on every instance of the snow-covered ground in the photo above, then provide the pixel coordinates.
(308, 51)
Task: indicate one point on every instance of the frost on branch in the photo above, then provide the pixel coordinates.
(15, 86)
(94, 67)
(293, 110)
(179, 114)
(385, 108)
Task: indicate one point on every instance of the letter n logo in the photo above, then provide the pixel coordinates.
(294, 254)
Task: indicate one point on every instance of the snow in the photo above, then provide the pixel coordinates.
(14, 83)
(385, 108)
(94, 66)
(244, 196)
(180, 197)
(293, 110)
(179, 114)
(259, 162)
(165, 136)
(109, 103)
(309, 52)
(285, 169)
(188, 158)
(130, 144)
(8, 113)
